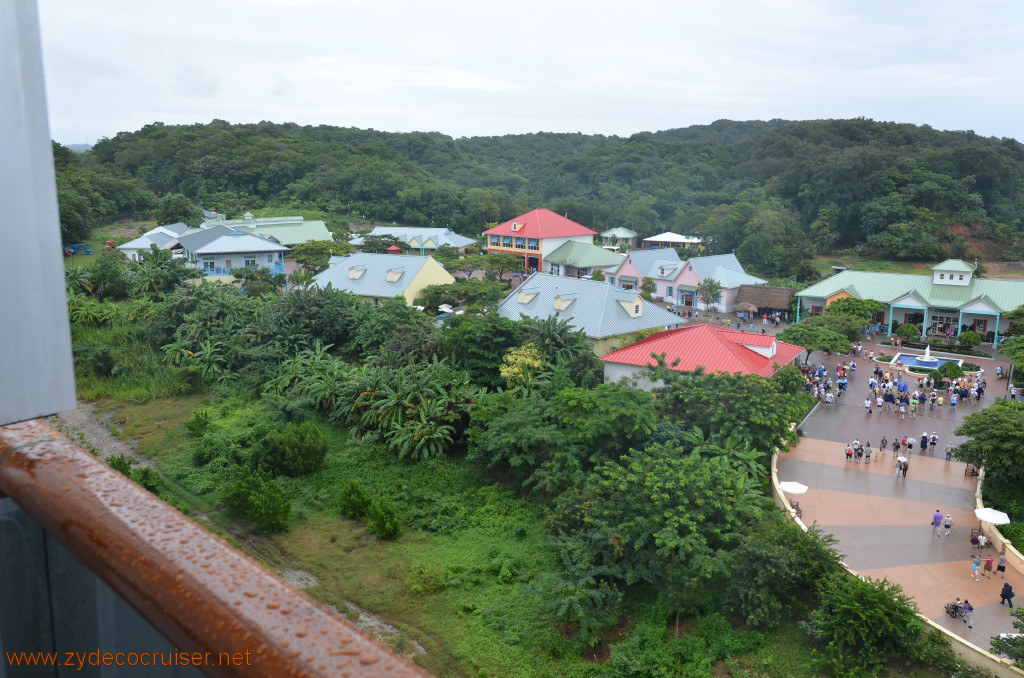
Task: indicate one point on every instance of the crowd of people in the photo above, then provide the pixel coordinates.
(891, 391)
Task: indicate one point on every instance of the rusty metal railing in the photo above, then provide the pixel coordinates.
(195, 589)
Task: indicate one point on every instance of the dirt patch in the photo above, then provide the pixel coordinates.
(381, 630)
(90, 429)
(300, 579)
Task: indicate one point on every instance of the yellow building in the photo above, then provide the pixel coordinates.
(383, 276)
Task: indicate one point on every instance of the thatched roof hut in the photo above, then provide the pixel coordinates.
(765, 297)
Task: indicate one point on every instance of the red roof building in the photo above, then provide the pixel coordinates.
(716, 349)
(535, 235)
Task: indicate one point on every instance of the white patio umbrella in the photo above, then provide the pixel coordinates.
(992, 516)
(793, 487)
(903, 459)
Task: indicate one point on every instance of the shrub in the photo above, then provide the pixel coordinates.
(970, 367)
(950, 369)
(969, 339)
(354, 502)
(865, 624)
(99, 358)
(214, 444)
(884, 358)
(908, 331)
(255, 495)
(646, 653)
(198, 423)
(383, 519)
(148, 478)
(296, 450)
(121, 463)
(990, 336)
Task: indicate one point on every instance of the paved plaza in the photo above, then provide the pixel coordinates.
(882, 521)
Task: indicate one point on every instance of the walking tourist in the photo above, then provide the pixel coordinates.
(1007, 594)
(936, 522)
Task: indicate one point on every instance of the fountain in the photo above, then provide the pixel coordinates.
(927, 358)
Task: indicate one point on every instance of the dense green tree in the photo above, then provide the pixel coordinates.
(477, 343)
(258, 281)
(108, 275)
(969, 339)
(498, 264)
(775, 244)
(480, 294)
(856, 648)
(660, 517)
(1013, 348)
(174, 208)
(751, 408)
(392, 326)
(813, 338)
(709, 292)
(314, 255)
(445, 255)
(380, 243)
(909, 331)
(996, 436)
(1012, 644)
(294, 450)
(647, 289)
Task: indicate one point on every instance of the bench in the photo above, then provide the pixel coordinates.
(971, 470)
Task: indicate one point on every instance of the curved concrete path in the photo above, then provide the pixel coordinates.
(882, 521)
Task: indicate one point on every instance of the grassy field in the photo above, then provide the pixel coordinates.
(100, 236)
(823, 265)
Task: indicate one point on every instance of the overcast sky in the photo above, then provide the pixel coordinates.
(482, 68)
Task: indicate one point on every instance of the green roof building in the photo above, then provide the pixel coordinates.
(579, 259)
(945, 303)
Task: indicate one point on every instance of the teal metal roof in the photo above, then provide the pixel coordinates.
(596, 309)
(1003, 295)
(584, 255)
(374, 281)
(956, 265)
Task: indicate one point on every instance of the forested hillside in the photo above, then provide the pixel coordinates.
(776, 192)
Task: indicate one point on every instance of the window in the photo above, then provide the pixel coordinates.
(520, 242)
(942, 276)
(668, 291)
(532, 244)
(611, 280)
(506, 241)
(636, 309)
(495, 239)
(250, 262)
(961, 276)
